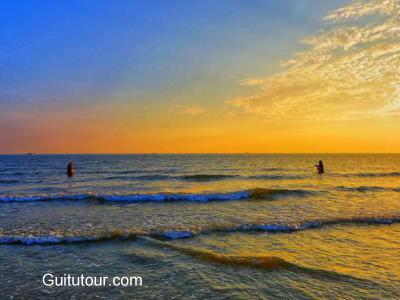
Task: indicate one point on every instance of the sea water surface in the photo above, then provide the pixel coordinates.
(202, 226)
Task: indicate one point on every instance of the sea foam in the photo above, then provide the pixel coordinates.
(257, 193)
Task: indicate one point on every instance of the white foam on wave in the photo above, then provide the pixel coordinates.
(32, 198)
(176, 197)
(274, 227)
(42, 240)
(322, 223)
(173, 235)
(133, 197)
(257, 193)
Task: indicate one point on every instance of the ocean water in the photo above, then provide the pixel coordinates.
(202, 226)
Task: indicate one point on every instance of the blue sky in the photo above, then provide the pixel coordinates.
(63, 50)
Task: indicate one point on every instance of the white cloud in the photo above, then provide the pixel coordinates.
(348, 71)
(251, 82)
(360, 9)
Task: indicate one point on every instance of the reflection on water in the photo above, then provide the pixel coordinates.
(188, 223)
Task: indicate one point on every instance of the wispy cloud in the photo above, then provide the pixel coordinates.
(251, 81)
(350, 70)
(188, 109)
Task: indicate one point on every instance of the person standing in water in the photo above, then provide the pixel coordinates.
(320, 167)
(70, 169)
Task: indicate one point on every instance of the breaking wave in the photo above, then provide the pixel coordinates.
(199, 177)
(33, 198)
(366, 189)
(53, 239)
(283, 228)
(258, 193)
(275, 177)
(195, 177)
(121, 235)
(141, 177)
(207, 177)
(366, 174)
(321, 223)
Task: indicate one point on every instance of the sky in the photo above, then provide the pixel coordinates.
(227, 76)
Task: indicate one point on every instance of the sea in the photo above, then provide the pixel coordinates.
(212, 226)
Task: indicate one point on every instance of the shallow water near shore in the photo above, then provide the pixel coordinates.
(197, 226)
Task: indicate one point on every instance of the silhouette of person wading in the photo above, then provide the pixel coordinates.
(70, 169)
(320, 167)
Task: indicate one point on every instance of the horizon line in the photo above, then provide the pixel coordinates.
(190, 153)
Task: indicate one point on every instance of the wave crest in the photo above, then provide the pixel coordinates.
(366, 174)
(200, 177)
(121, 235)
(258, 193)
(207, 177)
(275, 177)
(54, 239)
(365, 189)
(141, 177)
(283, 228)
